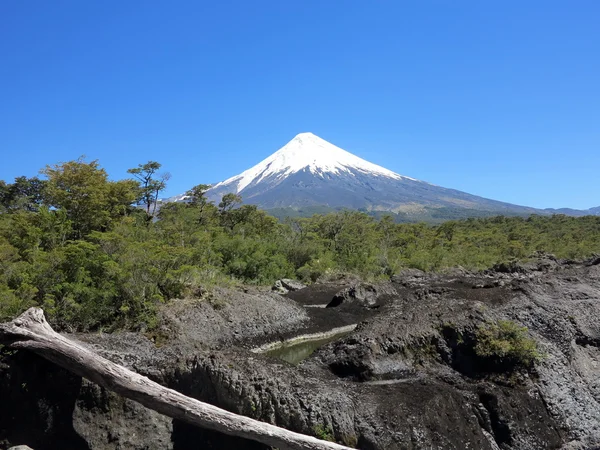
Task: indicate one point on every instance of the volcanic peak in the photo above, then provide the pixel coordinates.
(306, 151)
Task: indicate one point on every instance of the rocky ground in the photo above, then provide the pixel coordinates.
(406, 378)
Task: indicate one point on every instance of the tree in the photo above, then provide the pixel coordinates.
(80, 188)
(3, 195)
(228, 202)
(205, 209)
(83, 190)
(121, 196)
(25, 194)
(196, 195)
(151, 183)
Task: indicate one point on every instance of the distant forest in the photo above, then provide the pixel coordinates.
(96, 255)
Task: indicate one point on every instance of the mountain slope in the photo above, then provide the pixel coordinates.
(575, 212)
(306, 152)
(310, 171)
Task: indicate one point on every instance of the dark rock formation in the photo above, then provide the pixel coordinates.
(408, 377)
(362, 294)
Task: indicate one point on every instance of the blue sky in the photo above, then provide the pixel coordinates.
(499, 99)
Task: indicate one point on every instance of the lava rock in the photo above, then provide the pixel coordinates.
(286, 285)
(363, 294)
(416, 383)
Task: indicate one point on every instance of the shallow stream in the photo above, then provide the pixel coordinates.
(296, 352)
(299, 348)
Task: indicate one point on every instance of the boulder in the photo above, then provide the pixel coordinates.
(594, 261)
(409, 277)
(292, 285)
(509, 267)
(278, 287)
(363, 294)
(286, 285)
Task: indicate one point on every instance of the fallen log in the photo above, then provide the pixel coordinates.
(31, 331)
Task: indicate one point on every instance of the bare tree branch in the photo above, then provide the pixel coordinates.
(31, 331)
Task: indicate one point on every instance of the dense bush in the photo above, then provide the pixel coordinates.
(506, 343)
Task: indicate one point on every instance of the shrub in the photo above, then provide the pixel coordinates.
(324, 432)
(506, 342)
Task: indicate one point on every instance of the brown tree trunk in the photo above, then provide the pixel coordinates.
(31, 331)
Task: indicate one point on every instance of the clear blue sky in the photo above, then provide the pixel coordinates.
(499, 99)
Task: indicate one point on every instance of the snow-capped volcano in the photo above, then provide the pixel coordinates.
(309, 171)
(306, 152)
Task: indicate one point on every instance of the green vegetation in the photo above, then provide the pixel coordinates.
(324, 432)
(76, 244)
(427, 214)
(506, 342)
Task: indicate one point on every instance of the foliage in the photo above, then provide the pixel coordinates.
(506, 342)
(24, 194)
(75, 244)
(324, 432)
(84, 192)
(151, 184)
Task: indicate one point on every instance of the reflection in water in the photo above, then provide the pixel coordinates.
(296, 352)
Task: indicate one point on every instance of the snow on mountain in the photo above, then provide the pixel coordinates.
(310, 172)
(307, 152)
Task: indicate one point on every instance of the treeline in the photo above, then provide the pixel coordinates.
(98, 254)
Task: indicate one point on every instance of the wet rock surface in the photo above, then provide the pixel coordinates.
(406, 378)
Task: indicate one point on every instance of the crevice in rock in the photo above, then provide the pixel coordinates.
(42, 398)
(583, 340)
(189, 437)
(352, 370)
(500, 429)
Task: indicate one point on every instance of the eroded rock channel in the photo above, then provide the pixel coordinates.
(410, 375)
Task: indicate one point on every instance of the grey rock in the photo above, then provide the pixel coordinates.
(286, 285)
(231, 317)
(279, 288)
(292, 285)
(402, 379)
(363, 294)
(119, 420)
(409, 273)
(594, 261)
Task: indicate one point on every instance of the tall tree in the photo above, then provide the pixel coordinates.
(151, 184)
(196, 195)
(227, 204)
(205, 209)
(83, 190)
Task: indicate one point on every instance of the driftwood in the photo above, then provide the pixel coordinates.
(31, 331)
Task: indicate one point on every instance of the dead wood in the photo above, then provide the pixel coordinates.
(30, 331)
